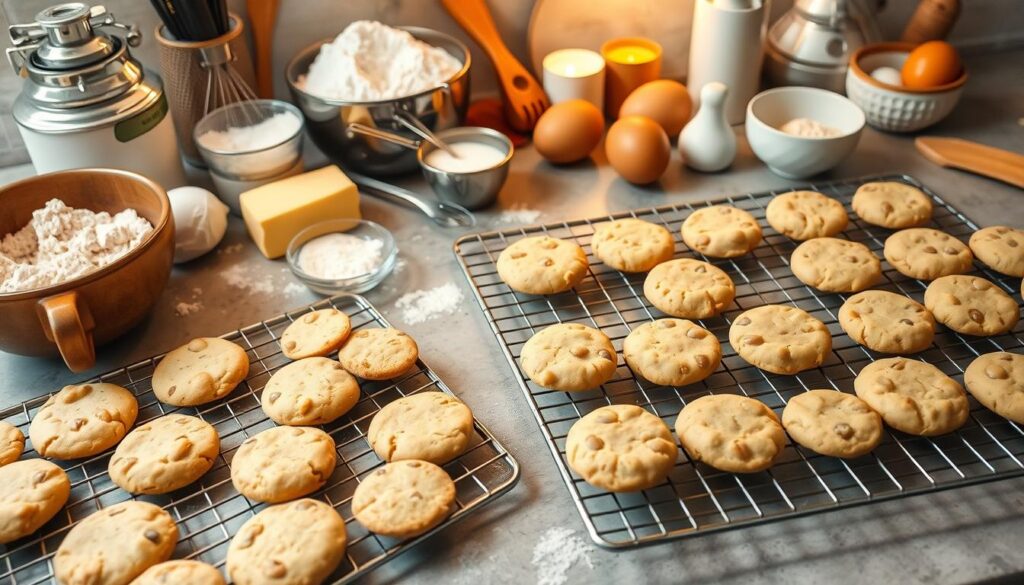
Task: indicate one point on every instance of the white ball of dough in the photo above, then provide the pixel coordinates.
(200, 220)
(888, 75)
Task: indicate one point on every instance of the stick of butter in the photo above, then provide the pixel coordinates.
(275, 212)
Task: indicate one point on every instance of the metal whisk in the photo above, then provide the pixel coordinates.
(224, 85)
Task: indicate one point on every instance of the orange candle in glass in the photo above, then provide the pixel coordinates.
(631, 62)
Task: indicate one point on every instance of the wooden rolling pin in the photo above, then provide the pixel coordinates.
(965, 155)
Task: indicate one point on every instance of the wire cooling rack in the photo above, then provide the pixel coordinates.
(210, 511)
(698, 499)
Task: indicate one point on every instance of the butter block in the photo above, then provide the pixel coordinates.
(275, 212)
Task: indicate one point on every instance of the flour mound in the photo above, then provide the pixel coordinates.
(370, 61)
(61, 243)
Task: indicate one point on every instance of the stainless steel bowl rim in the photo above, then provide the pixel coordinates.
(292, 255)
(291, 76)
(465, 131)
(287, 105)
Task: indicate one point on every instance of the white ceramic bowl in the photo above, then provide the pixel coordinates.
(795, 157)
(893, 108)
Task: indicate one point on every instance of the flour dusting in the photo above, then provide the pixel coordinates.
(519, 214)
(557, 551)
(424, 305)
(61, 243)
(240, 277)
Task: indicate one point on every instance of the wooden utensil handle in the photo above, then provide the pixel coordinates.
(475, 18)
(932, 20)
(69, 326)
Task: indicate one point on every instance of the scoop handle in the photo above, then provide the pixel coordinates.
(67, 322)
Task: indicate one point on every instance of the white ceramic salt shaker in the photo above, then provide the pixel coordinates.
(707, 143)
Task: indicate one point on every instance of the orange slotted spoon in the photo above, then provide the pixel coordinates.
(524, 98)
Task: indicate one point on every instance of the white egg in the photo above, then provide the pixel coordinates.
(200, 220)
(888, 75)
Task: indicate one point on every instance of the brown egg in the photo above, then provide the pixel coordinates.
(568, 131)
(638, 149)
(665, 101)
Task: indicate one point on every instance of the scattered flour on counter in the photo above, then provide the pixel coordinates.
(557, 551)
(183, 308)
(424, 305)
(232, 249)
(239, 276)
(294, 288)
(186, 308)
(370, 61)
(60, 243)
(519, 214)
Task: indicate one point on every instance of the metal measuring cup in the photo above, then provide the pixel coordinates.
(473, 190)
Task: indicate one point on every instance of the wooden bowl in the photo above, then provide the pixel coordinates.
(73, 317)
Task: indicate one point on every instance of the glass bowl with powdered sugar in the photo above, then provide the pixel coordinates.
(342, 255)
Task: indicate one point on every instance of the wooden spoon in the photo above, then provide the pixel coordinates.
(262, 16)
(524, 98)
(972, 157)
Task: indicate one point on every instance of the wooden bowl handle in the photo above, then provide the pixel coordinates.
(69, 326)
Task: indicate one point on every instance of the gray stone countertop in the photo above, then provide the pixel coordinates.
(963, 535)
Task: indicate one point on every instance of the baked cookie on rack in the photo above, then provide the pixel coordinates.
(927, 254)
(632, 245)
(116, 544)
(997, 381)
(82, 420)
(317, 333)
(1000, 248)
(31, 492)
(164, 454)
(887, 322)
(731, 433)
(912, 396)
(12, 443)
(203, 370)
(298, 542)
(835, 265)
(311, 391)
(404, 498)
(802, 215)
(542, 265)
(971, 305)
(892, 205)
(672, 352)
(780, 339)
(179, 571)
(429, 426)
(721, 231)
(832, 423)
(689, 288)
(283, 463)
(378, 353)
(570, 357)
(621, 448)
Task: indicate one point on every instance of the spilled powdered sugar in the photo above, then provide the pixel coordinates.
(557, 551)
(424, 305)
(519, 214)
(61, 243)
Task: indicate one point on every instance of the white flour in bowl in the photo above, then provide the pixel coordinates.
(370, 61)
(61, 243)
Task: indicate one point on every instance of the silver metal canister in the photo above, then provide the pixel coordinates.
(86, 102)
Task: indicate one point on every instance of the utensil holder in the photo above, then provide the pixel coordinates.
(726, 46)
(186, 78)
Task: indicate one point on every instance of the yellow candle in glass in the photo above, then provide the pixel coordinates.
(631, 54)
(631, 62)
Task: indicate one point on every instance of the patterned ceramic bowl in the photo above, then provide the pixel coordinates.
(893, 108)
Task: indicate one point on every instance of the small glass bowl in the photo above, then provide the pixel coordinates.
(359, 228)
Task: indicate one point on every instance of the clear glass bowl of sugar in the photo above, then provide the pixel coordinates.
(342, 255)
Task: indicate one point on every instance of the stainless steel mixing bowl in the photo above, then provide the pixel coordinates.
(327, 119)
